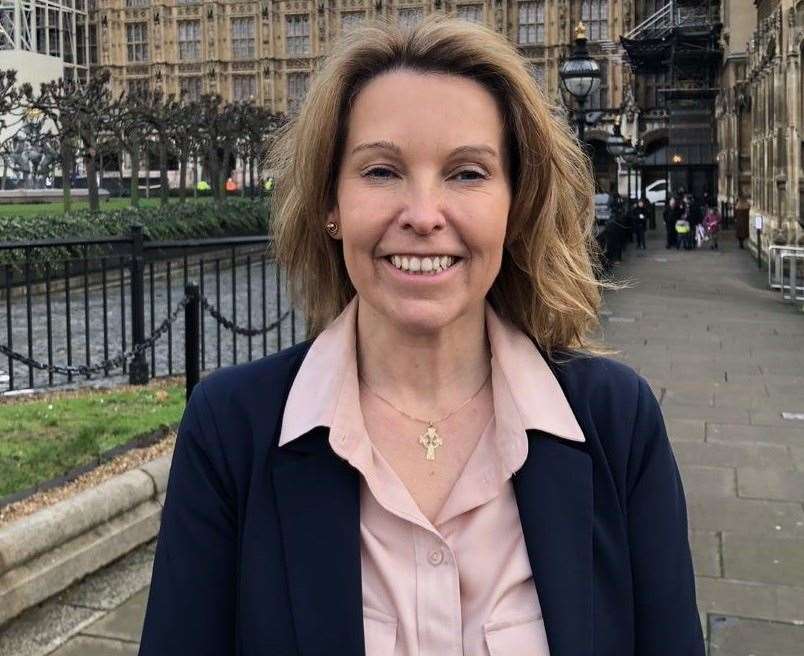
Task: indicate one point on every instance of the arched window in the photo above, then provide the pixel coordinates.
(595, 15)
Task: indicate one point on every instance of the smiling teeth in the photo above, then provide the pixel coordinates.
(423, 265)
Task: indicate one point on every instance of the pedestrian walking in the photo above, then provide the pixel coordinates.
(639, 221)
(672, 214)
(741, 211)
(693, 215)
(447, 464)
(711, 225)
(615, 229)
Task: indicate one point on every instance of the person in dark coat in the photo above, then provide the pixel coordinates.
(615, 229)
(672, 213)
(741, 210)
(639, 222)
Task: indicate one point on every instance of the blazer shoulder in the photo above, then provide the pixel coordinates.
(597, 378)
(608, 397)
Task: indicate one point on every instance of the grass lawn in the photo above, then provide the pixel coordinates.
(38, 209)
(45, 437)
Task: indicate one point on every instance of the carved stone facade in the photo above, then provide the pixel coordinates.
(761, 123)
(211, 40)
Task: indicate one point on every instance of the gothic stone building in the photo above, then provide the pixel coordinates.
(268, 50)
(760, 114)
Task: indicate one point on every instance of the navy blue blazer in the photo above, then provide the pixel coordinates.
(259, 548)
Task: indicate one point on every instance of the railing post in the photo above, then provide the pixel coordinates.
(191, 332)
(759, 252)
(138, 370)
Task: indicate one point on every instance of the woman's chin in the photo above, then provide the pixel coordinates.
(421, 317)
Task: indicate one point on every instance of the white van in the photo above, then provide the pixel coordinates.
(656, 192)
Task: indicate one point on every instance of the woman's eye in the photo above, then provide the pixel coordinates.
(472, 172)
(372, 173)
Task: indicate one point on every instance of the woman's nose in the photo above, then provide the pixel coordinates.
(423, 217)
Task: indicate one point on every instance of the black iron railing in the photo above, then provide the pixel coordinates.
(67, 305)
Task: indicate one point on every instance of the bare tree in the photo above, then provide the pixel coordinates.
(79, 112)
(10, 104)
(218, 129)
(183, 135)
(256, 126)
(161, 114)
(130, 129)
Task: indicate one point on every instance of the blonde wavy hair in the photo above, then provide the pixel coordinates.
(548, 282)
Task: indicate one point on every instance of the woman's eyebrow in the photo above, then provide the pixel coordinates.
(389, 145)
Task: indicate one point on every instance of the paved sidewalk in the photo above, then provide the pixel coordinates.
(726, 358)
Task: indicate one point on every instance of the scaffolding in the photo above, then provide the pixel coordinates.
(681, 41)
(47, 27)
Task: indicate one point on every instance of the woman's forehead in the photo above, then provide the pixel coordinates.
(403, 110)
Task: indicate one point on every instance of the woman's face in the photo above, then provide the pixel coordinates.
(423, 214)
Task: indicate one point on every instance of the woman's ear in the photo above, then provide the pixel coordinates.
(333, 224)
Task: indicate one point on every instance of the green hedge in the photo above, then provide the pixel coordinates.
(191, 220)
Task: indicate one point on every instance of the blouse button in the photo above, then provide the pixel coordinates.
(436, 557)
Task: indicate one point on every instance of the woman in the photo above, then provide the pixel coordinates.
(444, 468)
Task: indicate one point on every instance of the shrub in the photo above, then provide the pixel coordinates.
(191, 220)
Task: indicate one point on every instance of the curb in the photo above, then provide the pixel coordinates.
(46, 552)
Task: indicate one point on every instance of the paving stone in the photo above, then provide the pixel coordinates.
(697, 394)
(770, 484)
(790, 602)
(764, 559)
(778, 518)
(774, 418)
(737, 636)
(43, 628)
(783, 384)
(756, 434)
(91, 646)
(685, 429)
(719, 454)
(705, 548)
(124, 623)
(797, 457)
(706, 413)
(708, 481)
(115, 583)
(749, 599)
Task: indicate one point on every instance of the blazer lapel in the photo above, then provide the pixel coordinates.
(555, 498)
(318, 497)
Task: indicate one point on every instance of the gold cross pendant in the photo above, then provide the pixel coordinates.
(430, 440)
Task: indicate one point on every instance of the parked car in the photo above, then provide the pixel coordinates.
(656, 192)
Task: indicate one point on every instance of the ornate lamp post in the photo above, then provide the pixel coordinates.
(580, 76)
(628, 156)
(615, 146)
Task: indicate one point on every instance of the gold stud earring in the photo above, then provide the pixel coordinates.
(332, 228)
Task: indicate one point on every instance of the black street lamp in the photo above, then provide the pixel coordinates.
(615, 146)
(580, 76)
(633, 155)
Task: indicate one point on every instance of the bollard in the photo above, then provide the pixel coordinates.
(191, 333)
(138, 370)
(759, 251)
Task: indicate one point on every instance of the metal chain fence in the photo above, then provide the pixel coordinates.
(118, 360)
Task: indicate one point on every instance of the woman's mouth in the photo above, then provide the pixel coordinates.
(423, 265)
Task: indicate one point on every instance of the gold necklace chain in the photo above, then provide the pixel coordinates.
(430, 439)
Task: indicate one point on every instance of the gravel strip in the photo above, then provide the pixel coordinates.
(122, 463)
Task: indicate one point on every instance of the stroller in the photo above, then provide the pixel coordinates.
(711, 226)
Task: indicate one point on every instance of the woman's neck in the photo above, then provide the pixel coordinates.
(429, 373)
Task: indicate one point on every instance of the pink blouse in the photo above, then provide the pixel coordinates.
(462, 585)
